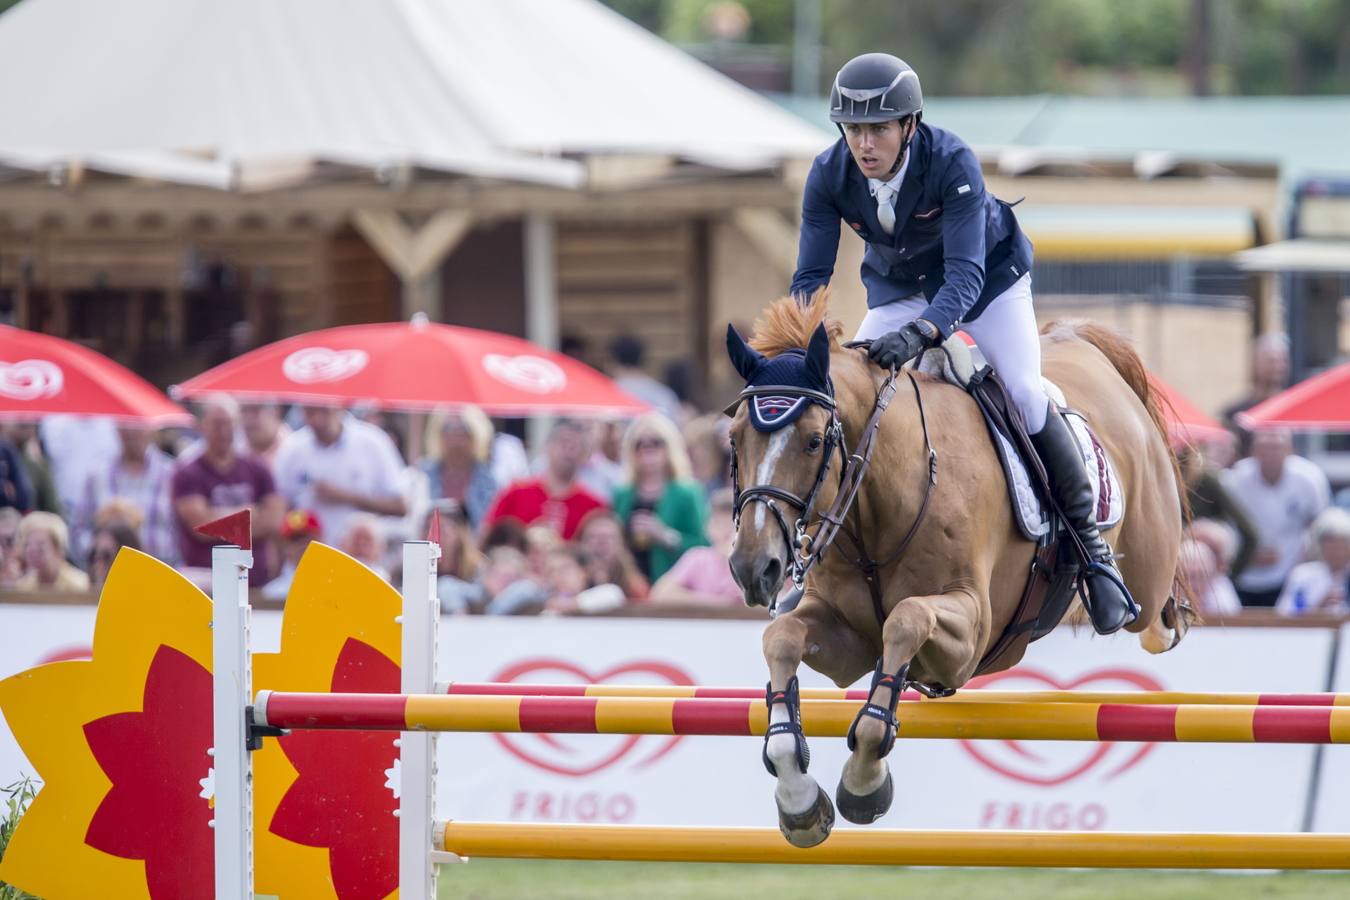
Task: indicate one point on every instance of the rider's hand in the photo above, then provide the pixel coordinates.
(896, 348)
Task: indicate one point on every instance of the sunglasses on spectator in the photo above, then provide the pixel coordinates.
(649, 444)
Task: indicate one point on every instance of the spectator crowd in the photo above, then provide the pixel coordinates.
(608, 513)
(1265, 532)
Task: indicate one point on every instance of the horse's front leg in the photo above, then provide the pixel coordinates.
(946, 622)
(805, 814)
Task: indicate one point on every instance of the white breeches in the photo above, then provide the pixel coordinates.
(1006, 333)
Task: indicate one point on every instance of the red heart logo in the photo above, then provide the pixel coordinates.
(561, 754)
(1053, 764)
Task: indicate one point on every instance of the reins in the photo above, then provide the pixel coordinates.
(868, 567)
(805, 550)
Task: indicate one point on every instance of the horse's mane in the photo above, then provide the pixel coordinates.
(788, 324)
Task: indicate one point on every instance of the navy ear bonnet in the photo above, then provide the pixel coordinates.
(780, 388)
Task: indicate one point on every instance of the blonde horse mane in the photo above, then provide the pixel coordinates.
(786, 324)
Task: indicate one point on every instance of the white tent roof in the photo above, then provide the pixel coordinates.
(216, 91)
(576, 77)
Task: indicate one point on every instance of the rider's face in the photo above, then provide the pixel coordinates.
(875, 146)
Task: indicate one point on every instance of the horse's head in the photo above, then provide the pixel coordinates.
(784, 434)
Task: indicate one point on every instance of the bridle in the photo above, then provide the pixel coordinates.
(795, 536)
(805, 550)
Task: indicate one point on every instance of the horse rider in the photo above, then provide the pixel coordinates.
(942, 253)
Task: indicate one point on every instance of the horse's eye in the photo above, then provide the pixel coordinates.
(814, 444)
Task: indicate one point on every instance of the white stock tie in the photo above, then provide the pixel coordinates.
(886, 207)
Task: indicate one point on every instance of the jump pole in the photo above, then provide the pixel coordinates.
(417, 749)
(232, 678)
(234, 718)
(419, 833)
(820, 718)
(890, 847)
(860, 695)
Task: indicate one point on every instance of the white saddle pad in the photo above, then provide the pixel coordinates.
(957, 365)
(1110, 500)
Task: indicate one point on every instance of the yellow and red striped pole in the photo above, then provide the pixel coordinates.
(977, 695)
(826, 718)
(1095, 850)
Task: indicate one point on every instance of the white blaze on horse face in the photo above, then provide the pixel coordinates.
(763, 475)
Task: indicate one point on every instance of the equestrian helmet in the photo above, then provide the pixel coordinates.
(875, 87)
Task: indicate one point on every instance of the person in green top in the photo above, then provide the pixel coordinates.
(663, 510)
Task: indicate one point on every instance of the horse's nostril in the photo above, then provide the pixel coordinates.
(771, 574)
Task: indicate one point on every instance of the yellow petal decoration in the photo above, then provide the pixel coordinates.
(334, 602)
(145, 605)
(339, 624)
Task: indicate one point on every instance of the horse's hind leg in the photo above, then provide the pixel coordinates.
(805, 814)
(944, 622)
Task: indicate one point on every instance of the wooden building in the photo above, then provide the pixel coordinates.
(546, 169)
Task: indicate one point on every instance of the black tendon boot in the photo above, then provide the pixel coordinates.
(1108, 601)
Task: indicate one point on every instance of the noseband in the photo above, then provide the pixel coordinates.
(803, 549)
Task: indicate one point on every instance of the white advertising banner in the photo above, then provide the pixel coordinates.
(1330, 811)
(939, 784)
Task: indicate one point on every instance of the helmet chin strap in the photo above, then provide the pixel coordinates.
(904, 148)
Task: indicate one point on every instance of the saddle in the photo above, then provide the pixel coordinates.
(1053, 571)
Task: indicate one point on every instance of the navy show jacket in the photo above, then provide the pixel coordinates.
(954, 242)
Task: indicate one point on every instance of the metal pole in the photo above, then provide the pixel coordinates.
(233, 691)
(541, 301)
(806, 48)
(417, 750)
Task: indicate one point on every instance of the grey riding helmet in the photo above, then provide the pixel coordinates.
(875, 87)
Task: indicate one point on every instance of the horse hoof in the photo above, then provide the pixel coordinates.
(865, 810)
(811, 827)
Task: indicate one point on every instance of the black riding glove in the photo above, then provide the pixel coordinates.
(894, 349)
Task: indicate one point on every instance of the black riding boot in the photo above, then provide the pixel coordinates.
(1109, 604)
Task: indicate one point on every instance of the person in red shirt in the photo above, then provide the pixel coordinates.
(555, 498)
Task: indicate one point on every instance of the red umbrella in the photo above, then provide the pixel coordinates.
(416, 366)
(41, 375)
(1321, 403)
(1185, 421)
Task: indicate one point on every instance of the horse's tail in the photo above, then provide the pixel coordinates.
(1131, 369)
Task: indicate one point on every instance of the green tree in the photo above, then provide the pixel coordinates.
(649, 14)
(990, 47)
(770, 21)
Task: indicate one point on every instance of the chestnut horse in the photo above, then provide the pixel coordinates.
(957, 584)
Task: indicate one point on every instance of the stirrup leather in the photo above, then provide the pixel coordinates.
(896, 684)
(791, 698)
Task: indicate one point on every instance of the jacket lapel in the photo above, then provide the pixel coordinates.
(911, 186)
(865, 204)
